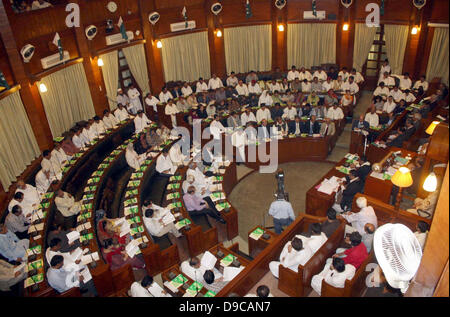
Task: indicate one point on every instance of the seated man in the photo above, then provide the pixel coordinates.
(154, 221)
(335, 113)
(11, 247)
(19, 200)
(311, 126)
(292, 255)
(8, 276)
(16, 223)
(334, 274)
(360, 124)
(121, 113)
(353, 186)
(144, 288)
(359, 219)
(43, 182)
(212, 283)
(66, 204)
(164, 165)
(58, 231)
(424, 207)
(327, 128)
(295, 126)
(313, 99)
(357, 254)
(196, 205)
(330, 225)
(372, 117)
(69, 257)
(389, 105)
(261, 291)
(109, 120)
(141, 122)
(177, 157)
(367, 237)
(316, 240)
(64, 277)
(422, 232)
(49, 167)
(193, 269)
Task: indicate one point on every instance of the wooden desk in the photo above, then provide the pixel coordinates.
(181, 291)
(255, 247)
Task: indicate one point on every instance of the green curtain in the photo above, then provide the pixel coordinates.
(110, 71)
(364, 37)
(135, 56)
(67, 99)
(311, 44)
(396, 37)
(186, 57)
(248, 48)
(18, 146)
(438, 60)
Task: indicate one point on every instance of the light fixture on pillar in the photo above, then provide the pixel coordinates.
(402, 178)
(42, 88)
(345, 27)
(431, 127)
(415, 30)
(100, 62)
(430, 183)
(218, 33)
(281, 27)
(158, 44)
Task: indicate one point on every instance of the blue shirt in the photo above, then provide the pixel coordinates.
(281, 209)
(9, 246)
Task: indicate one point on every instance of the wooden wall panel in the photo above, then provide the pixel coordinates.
(395, 11)
(233, 12)
(4, 65)
(173, 15)
(296, 8)
(439, 13)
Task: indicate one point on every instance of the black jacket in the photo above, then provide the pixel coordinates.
(307, 124)
(349, 192)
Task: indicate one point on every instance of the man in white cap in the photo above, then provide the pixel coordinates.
(122, 98)
(359, 219)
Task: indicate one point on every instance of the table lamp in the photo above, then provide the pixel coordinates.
(431, 127)
(402, 178)
(430, 183)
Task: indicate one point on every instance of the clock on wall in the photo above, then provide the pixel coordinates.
(419, 3)
(111, 6)
(346, 3)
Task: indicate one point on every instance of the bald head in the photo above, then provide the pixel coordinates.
(369, 228)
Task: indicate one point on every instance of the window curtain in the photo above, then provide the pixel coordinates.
(18, 146)
(110, 71)
(186, 57)
(438, 60)
(248, 48)
(311, 44)
(67, 99)
(396, 37)
(364, 37)
(135, 56)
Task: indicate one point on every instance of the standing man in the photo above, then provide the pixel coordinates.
(135, 102)
(282, 213)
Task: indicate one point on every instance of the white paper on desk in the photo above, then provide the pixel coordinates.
(170, 287)
(37, 237)
(316, 135)
(215, 187)
(157, 290)
(83, 226)
(19, 268)
(168, 219)
(222, 170)
(88, 258)
(377, 175)
(37, 215)
(125, 229)
(73, 235)
(119, 221)
(76, 254)
(230, 272)
(132, 248)
(208, 260)
(176, 215)
(38, 227)
(86, 274)
(189, 294)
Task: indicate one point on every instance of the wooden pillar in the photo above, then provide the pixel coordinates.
(345, 39)
(424, 42)
(153, 54)
(93, 74)
(216, 44)
(279, 39)
(28, 92)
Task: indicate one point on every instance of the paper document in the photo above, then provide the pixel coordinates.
(230, 273)
(168, 219)
(88, 258)
(157, 290)
(208, 261)
(73, 235)
(86, 275)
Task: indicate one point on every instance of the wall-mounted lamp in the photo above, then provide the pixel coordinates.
(345, 27)
(219, 33)
(100, 62)
(281, 27)
(158, 44)
(415, 30)
(42, 88)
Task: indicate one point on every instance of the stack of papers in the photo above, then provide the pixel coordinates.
(174, 205)
(38, 227)
(208, 260)
(230, 273)
(88, 258)
(132, 248)
(178, 281)
(328, 186)
(209, 294)
(256, 234)
(130, 210)
(222, 206)
(194, 289)
(217, 196)
(156, 290)
(86, 275)
(173, 195)
(226, 261)
(168, 219)
(180, 224)
(38, 278)
(74, 235)
(173, 186)
(34, 250)
(31, 266)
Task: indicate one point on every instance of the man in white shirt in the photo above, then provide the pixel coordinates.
(335, 113)
(344, 74)
(265, 98)
(216, 128)
(357, 76)
(78, 140)
(405, 82)
(320, 74)
(372, 117)
(388, 80)
(214, 82)
(242, 89)
(135, 101)
(164, 165)
(292, 255)
(274, 86)
(422, 232)
(145, 288)
(98, 126)
(193, 269)
(254, 88)
(421, 83)
(350, 85)
(289, 112)
(165, 95)
(58, 156)
(171, 110)
(232, 80)
(409, 96)
(141, 122)
(43, 182)
(186, 90)
(359, 219)
(306, 86)
(152, 101)
(122, 98)
(121, 113)
(176, 156)
(31, 195)
(247, 116)
(327, 85)
(389, 105)
(263, 113)
(385, 68)
(381, 90)
(293, 74)
(109, 120)
(155, 220)
(397, 94)
(304, 74)
(66, 204)
(335, 273)
(18, 200)
(316, 240)
(133, 159)
(201, 86)
(239, 140)
(49, 167)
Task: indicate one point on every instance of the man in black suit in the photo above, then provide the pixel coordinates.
(410, 129)
(295, 126)
(360, 124)
(399, 138)
(363, 170)
(263, 130)
(354, 186)
(276, 111)
(176, 92)
(311, 126)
